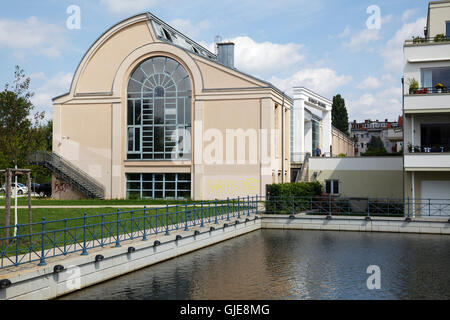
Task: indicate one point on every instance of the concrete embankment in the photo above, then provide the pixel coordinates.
(29, 281)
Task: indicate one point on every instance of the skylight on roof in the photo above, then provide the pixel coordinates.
(164, 32)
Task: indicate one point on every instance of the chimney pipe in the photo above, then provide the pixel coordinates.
(225, 54)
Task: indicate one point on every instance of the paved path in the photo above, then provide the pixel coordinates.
(96, 206)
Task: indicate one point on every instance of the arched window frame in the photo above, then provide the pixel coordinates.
(158, 125)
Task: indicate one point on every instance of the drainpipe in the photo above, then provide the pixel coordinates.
(282, 141)
(403, 130)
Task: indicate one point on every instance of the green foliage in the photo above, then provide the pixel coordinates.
(342, 155)
(21, 130)
(413, 85)
(375, 148)
(339, 115)
(440, 37)
(283, 198)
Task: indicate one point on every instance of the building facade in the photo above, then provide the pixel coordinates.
(362, 133)
(152, 114)
(427, 108)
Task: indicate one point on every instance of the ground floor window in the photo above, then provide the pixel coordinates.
(332, 186)
(158, 185)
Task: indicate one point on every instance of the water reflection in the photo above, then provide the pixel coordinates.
(276, 264)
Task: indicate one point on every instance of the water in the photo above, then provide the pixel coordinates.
(291, 264)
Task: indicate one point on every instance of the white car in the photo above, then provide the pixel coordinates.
(21, 188)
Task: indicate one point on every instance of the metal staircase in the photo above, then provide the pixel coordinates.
(69, 173)
(303, 173)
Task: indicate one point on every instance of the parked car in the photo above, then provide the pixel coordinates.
(44, 190)
(21, 188)
(34, 187)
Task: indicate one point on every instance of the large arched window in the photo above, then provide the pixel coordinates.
(159, 111)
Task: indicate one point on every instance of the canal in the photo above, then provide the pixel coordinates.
(294, 264)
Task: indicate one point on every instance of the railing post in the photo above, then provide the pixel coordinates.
(239, 207)
(132, 212)
(176, 211)
(215, 212)
(248, 205)
(228, 209)
(209, 211)
(65, 236)
(201, 214)
(186, 228)
(101, 232)
(84, 253)
(408, 208)
(293, 205)
(117, 226)
(368, 207)
(42, 259)
(17, 245)
(144, 236)
(329, 207)
(256, 200)
(429, 207)
(167, 219)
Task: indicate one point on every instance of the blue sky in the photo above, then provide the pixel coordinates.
(324, 45)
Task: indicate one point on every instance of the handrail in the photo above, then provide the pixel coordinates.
(67, 168)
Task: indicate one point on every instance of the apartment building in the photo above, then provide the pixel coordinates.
(311, 128)
(427, 108)
(362, 133)
(153, 114)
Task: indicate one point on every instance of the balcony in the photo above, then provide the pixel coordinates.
(428, 100)
(424, 161)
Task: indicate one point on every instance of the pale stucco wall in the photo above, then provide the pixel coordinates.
(93, 115)
(374, 177)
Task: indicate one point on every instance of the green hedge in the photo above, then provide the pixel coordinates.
(284, 198)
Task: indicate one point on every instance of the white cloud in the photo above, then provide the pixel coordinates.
(32, 36)
(385, 104)
(344, 33)
(188, 28)
(55, 86)
(265, 58)
(324, 81)
(369, 83)
(408, 14)
(262, 59)
(362, 39)
(128, 6)
(392, 53)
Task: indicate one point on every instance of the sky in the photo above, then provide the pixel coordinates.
(348, 47)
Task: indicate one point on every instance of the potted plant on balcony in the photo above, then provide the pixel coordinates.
(440, 37)
(439, 87)
(413, 85)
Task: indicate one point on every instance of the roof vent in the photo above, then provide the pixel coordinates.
(225, 54)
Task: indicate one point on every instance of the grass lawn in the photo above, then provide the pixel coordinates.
(23, 201)
(66, 226)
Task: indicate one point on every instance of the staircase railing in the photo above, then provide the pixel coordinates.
(69, 173)
(303, 170)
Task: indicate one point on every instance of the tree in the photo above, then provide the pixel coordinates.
(339, 115)
(21, 131)
(375, 147)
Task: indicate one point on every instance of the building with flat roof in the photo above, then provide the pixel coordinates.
(427, 108)
(153, 114)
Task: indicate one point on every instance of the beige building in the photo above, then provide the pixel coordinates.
(360, 177)
(153, 114)
(427, 110)
(341, 144)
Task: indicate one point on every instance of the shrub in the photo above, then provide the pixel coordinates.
(285, 197)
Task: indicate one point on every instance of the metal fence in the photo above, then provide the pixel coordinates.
(330, 205)
(61, 237)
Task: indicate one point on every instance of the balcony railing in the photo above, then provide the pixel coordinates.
(420, 40)
(429, 149)
(428, 90)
